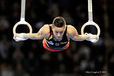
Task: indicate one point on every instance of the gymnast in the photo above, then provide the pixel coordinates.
(56, 36)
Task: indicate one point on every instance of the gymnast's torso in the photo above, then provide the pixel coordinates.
(57, 45)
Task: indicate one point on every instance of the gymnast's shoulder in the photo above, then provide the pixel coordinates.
(70, 27)
(45, 28)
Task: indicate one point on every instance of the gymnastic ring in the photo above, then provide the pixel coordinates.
(20, 23)
(90, 23)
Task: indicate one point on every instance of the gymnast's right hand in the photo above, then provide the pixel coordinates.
(20, 37)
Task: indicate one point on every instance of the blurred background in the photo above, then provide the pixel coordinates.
(29, 58)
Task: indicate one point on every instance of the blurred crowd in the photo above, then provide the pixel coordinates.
(29, 58)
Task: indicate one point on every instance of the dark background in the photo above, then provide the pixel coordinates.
(29, 58)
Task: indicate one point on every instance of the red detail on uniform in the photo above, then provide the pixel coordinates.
(51, 33)
(54, 50)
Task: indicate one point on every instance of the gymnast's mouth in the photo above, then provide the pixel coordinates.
(58, 39)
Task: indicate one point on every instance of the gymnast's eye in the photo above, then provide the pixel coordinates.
(61, 32)
(56, 31)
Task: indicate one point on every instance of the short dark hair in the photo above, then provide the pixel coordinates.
(59, 21)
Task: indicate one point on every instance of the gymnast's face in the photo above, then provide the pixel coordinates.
(58, 32)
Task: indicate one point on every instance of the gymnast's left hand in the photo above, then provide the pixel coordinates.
(92, 38)
(20, 37)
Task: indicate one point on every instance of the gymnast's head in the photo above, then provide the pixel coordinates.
(59, 25)
(59, 22)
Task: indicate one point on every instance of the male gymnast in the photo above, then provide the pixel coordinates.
(56, 36)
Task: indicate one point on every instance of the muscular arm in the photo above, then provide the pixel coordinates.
(42, 33)
(73, 34)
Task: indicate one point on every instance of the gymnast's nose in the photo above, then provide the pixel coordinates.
(58, 35)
